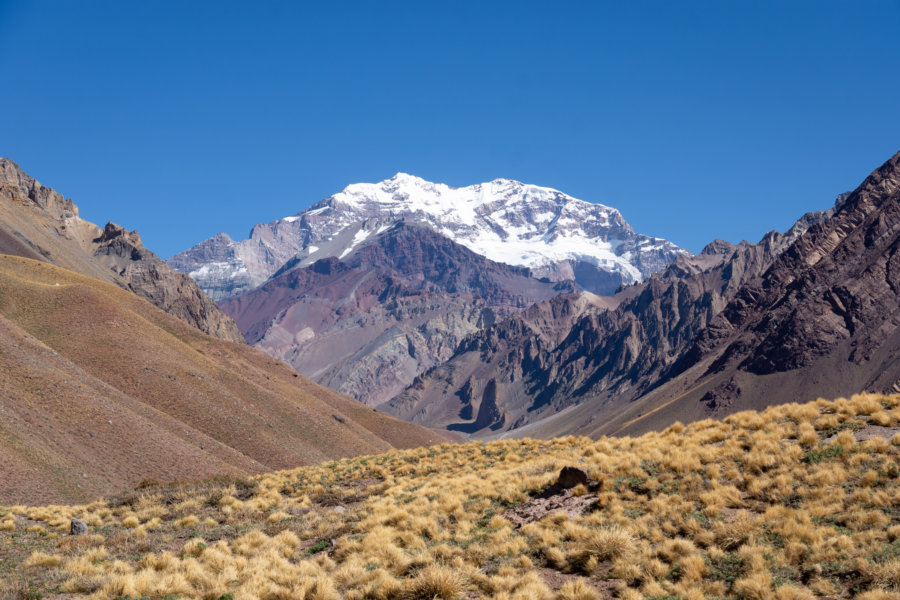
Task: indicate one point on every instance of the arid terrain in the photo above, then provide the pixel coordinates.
(450, 300)
(796, 502)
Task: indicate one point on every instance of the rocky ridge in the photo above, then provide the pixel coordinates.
(541, 362)
(839, 284)
(38, 222)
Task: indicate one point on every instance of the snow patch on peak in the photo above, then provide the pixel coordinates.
(401, 176)
(358, 238)
(505, 220)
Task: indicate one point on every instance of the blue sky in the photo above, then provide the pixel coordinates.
(697, 120)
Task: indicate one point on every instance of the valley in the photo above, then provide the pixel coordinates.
(522, 440)
(449, 301)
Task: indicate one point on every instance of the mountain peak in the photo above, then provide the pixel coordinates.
(401, 176)
(553, 234)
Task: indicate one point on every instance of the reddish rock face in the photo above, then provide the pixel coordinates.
(398, 304)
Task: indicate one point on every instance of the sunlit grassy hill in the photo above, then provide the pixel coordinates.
(799, 501)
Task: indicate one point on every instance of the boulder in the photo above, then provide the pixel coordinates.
(569, 477)
(78, 527)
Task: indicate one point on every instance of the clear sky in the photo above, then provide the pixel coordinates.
(696, 119)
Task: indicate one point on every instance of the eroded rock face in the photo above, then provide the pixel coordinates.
(19, 187)
(37, 222)
(399, 303)
(839, 283)
(555, 354)
(149, 277)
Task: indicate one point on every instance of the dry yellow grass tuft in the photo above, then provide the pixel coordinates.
(793, 503)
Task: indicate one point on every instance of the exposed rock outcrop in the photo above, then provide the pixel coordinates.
(78, 527)
(151, 278)
(37, 222)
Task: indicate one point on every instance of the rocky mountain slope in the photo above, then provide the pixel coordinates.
(513, 376)
(515, 373)
(396, 303)
(551, 233)
(821, 320)
(37, 222)
(827, 311)
(99, 390)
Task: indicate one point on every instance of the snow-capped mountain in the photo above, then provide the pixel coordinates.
(555, 235)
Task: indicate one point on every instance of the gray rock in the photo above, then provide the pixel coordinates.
(78, 527)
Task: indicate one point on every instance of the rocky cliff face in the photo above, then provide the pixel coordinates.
(37, 222)
(398, 303)
(25, 191)
(823, 319)
(547, 231)
(555, 355)
(459, 394)
(150, 278)
(838, 284)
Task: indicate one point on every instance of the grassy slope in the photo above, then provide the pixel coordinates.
(101, 390)
(796, 502)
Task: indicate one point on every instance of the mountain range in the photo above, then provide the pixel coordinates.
(496, 310)
(398, 304)
(386, 279)
(623, 343)
(812, 312)
(555, 235)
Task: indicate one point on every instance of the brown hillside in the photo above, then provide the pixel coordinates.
(101, 390)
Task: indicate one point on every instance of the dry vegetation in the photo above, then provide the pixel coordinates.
(795, 502)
